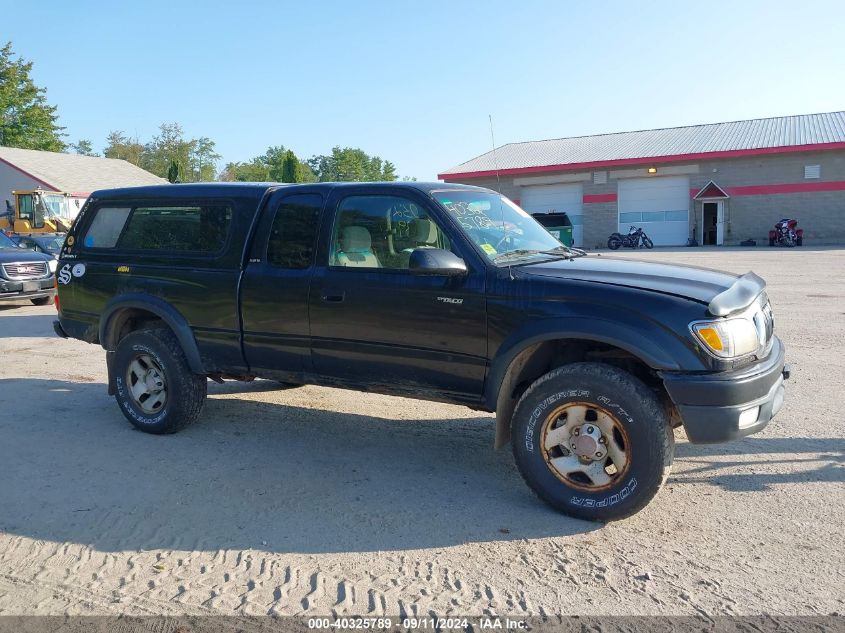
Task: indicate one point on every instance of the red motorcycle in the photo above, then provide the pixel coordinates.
(786, 233)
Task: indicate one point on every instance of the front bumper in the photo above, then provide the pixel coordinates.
(717, 407)
(23, 290)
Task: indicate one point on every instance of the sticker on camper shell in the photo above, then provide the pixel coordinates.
(65, 275)
(78, 270)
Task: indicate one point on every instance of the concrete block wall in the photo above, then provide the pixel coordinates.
(820, 213)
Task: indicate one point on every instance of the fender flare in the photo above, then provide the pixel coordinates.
(625, 336)
(166, 312)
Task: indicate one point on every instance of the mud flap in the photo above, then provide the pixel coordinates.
(109, 362)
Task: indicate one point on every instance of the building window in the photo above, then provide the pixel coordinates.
(812, 171)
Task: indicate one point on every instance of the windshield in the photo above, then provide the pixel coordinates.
(52, 245)
(6, 242)
(56, 205)
(503, 231)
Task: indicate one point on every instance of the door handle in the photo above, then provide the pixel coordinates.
(333, 298)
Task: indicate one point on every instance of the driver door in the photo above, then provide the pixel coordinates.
(375, 323)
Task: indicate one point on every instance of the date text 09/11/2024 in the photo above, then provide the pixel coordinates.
(411, 624)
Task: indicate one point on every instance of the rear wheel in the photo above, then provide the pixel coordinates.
(592, 441)
(41, 301)
(155, 388)
(614, 242)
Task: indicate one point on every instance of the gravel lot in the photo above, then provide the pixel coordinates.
(322, 501)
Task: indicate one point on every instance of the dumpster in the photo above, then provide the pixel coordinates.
(558, 224)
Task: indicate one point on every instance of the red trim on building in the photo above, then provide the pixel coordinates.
(28, 175)
(796, 187)
(711, 190)
(675, 158)
(80, 194)
(599, 197)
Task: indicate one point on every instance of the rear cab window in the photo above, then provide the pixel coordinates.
(177, 229)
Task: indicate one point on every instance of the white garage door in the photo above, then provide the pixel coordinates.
(557, 199)
(659, 205)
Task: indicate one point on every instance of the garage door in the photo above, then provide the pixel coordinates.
(557, 199)
(659, 205)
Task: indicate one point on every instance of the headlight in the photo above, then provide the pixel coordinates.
(727, 338)
(52, 265)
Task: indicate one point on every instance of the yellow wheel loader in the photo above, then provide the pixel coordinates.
(36, 211)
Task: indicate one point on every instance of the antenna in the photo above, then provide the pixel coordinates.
(499, 188)
(495, 157)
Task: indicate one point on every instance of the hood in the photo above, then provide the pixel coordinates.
(9, 255)
(692, 282)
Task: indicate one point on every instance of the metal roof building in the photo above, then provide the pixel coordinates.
(72, 173)
(763, 169)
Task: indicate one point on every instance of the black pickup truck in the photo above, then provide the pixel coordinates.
(434, 291)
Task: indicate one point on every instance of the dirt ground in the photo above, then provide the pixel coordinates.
(321, 501)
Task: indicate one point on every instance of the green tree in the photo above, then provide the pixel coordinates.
(277, 164)
(290, 165)
(253, 171)
(274, 159)
(118, 145)
(26, 120)
(197, 158)
(351, 164)
(203, 159)
(84, 147)
(174, 172)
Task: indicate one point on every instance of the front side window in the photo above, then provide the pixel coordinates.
(382, 232)
(500, 228)
(294, 231)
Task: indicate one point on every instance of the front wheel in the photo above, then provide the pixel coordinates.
(592, 441)
(614, 242)
(648, 243)
(41, 301)
(154, 386)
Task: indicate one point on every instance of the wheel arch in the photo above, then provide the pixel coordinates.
(525, 356)
(128, 310)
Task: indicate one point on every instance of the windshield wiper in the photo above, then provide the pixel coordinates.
(525, 252)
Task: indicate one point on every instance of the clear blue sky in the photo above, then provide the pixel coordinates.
(415, 82)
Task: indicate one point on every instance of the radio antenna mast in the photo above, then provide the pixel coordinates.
(499, 187)
(495, 157)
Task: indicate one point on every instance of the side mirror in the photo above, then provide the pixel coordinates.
(436, 261)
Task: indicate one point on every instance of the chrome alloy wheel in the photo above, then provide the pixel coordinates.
(585, 446)
(147, 385)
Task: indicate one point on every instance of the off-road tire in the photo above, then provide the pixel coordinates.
(186, 391)
(41, 301)
(650, 439)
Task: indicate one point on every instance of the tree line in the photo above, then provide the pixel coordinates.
(29, 122)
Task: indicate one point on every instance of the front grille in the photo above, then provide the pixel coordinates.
(25, 270)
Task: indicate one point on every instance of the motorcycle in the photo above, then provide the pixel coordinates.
(786, 233)
(632, 240)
